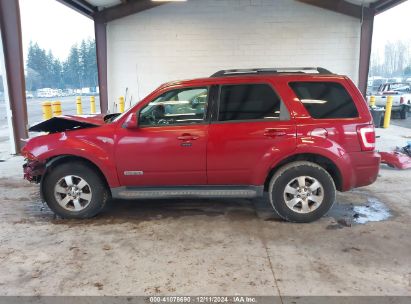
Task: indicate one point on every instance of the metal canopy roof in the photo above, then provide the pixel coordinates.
(104, 11)
(102, 4)
(108, 10)
(355, 8)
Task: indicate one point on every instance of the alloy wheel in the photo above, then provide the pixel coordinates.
(303, 194)
(73, 193)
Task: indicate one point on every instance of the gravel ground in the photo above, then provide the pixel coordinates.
(188, 247)
(213, 247)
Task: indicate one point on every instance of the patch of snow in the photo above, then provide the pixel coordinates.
(374, 211)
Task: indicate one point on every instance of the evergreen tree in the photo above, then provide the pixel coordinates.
(57, 74)
(92, 75)
(72, 71)
(37, 62)
(82, 50)
(49, 80)
(79, 70)
(33, 80)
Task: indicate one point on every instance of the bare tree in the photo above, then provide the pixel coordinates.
(395, 58)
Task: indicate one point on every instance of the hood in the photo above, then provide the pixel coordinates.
(71, 122)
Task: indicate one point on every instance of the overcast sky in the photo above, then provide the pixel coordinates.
(53, 26)
(56, 27)
(393, 25)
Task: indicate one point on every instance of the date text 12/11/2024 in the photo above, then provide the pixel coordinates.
(202, 299)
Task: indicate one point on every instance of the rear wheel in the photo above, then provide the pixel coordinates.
(302, 192)
(74, 190)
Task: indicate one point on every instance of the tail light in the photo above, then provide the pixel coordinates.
(366, 135)
(402, 100)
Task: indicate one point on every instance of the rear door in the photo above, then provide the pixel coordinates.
(251, 128)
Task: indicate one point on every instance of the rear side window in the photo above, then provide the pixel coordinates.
(325, 99)
(250, 102)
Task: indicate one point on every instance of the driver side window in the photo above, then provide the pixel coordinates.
(176, 107)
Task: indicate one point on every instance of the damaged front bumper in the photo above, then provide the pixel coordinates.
(33, 170)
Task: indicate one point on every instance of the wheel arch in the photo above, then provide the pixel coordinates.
(318, 159)
(56, 160)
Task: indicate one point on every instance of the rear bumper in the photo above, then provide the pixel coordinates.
(361, 170)
(396, 108)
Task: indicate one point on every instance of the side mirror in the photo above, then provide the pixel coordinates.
(132, 121)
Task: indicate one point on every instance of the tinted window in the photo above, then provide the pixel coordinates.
(325, 99)
(250, 101)
(181, 106)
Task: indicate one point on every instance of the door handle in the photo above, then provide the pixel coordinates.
(274, 133)
(187, 136)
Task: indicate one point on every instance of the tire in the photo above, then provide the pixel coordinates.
(403, 113)
(85, 198)
(300, 212)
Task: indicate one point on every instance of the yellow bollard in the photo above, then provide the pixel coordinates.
(92, 105)
(121, 104)
(56, 107)
(372, 101)
(387, 116)
(79, 107)
(46, 106)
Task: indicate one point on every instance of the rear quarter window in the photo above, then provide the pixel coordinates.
(324, 100)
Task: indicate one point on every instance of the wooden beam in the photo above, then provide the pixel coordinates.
(339, 6)
(101, 53)
(365, 50)
(13, 57)
(124, 9)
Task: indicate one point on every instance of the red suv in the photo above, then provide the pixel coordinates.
(298, 134)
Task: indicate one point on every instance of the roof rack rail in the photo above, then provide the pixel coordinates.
(234, 72)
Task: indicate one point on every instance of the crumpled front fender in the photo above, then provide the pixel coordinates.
(95, 148)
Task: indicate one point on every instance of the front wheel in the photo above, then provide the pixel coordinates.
(74, 190)
(302, 192)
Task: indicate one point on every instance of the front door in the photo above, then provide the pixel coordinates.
(169, 147)
(252, 129)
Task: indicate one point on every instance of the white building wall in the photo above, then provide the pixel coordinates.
(196, 38)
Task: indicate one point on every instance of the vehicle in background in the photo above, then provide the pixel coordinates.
(48, 93)
(394, 79)
(401, 93)
(374, 83)
(29, 95)
(294, 134)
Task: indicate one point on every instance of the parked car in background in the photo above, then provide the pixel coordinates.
(395, 79)
(48, 93)
(401, 93)
(374, 83)
(297, 135)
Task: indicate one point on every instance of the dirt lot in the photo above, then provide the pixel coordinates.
(230, 247)
(212, 247)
